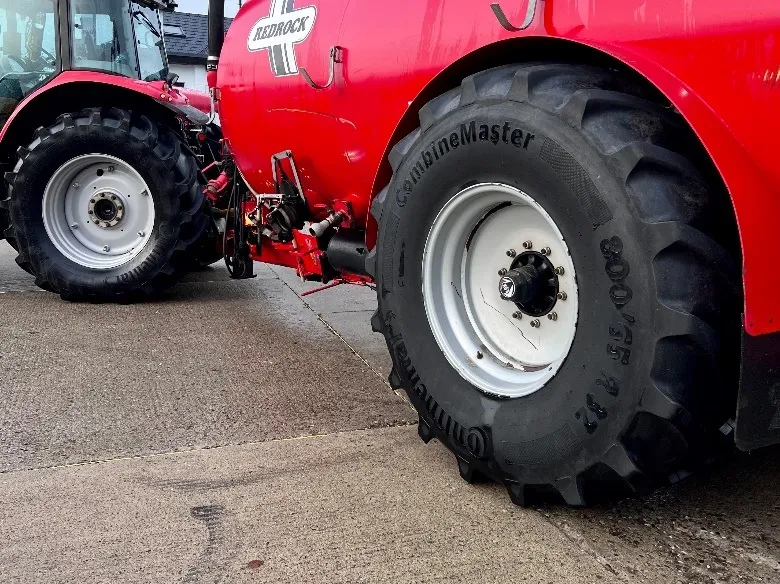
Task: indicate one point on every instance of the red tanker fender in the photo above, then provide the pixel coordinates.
(755, 195)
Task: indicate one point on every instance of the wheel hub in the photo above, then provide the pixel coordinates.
(105, 209)
(491, 332)
(531, 284)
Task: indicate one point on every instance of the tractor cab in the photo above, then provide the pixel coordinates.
(41, 38)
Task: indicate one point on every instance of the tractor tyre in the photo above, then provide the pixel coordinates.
(207, 250)
(555, 284)
(5, 223)
(104, 206)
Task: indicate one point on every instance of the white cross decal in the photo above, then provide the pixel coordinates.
(279, 32)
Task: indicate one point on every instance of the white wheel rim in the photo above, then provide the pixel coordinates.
(477, 330)
(98, 211)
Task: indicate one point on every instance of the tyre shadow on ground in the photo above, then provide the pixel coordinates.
(721, 524)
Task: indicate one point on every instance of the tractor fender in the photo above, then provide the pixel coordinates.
(74, 90)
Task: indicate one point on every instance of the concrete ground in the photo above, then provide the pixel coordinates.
(234, 432)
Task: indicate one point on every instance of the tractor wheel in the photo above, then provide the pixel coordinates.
(104, 205)
(554, 283)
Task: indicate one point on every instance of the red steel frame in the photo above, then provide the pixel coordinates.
(717, 61)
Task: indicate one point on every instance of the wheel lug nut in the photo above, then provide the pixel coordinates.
(141, 233)
(502, 271)
(559, 270)
(546, 251)
(553, 316)
(562, 296)
(527, 245)
(518, 315)
(74, 225)
(535, 323)
(106, 248)
(511, 253)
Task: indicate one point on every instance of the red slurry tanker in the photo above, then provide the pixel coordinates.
(567, 208)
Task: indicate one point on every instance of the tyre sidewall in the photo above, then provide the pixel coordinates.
(559, 426)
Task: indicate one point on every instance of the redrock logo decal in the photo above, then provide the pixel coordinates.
(280, 32)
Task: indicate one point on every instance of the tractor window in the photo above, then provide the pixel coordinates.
(102, 37)
(151, 48)
(28, 39)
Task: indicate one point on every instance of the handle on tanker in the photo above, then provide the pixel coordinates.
(335, 57)
(504, 21)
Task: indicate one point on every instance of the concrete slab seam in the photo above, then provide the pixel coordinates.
(202, 448)
(319, 316)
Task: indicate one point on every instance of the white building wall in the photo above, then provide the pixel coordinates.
(193, 76)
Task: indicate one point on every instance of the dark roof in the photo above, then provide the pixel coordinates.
(193, 47)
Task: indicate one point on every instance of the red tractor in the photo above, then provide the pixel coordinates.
(567, 209)
(101, 156)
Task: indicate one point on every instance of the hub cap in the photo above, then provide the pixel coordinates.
(98, 211)
(531, 283)
(499, 289)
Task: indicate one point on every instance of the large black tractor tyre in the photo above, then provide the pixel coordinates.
(6, 233)
(651, 374)
(139, 143)
(207, 250)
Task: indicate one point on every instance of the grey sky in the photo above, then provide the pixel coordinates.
(201, 6)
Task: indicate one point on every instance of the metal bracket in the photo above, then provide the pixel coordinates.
(212, 105)
(335, 57)
(504, 21)
(276, 160)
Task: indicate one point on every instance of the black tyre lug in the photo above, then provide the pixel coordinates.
(376, 322)
(620, 461)
(656, 402)
(516, 493)
(394, 379)
(569, 489)
(468, 473)
(424, 431)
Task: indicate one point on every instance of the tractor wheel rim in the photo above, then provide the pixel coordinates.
(98, 211)
(503, 346)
